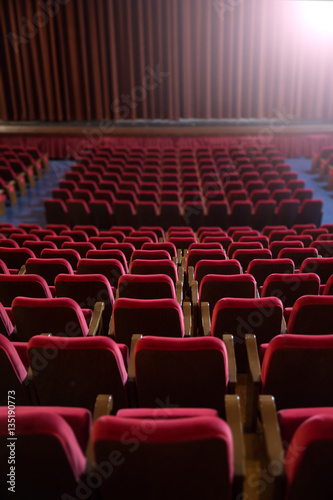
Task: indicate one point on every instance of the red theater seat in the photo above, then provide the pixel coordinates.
(44, 430)
(289, 287)
(163, 317)
(77, 371)
(61, 317)
(199, 376)
(204, 437)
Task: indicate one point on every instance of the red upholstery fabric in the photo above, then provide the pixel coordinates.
(214, 287)
(305, 378)
(34, 428)
(147, 317)
(48, 268)
(206, 437)
(166, 413)
(312, 315)
(141, 286)
(111, 268)
(261, 268)
(6, 326)
(289, 287)
(151, 254)
(26, 285)
(167, 245)
(309, 471)
(3, 268)
(126, 248)
(36, 316)
(142, 266)
(95, 365)
(290, 419)
(9, 350)
(223, 267)
(191, 372)
(115, 254)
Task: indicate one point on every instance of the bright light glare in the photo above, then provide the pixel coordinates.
(318, 16)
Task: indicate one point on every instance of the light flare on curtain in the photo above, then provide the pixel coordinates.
(80, 60)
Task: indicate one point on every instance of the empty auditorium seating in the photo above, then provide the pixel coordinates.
(76, 371)
(25, 285)
(60, 317)
(48, 268)
(87, 290)
(203, 436)
(199, 377)
(296, 370)
(243, 316)
(47, 436)
(311, 315)
(163, 317)
(14, 376)
(302, 447)
(289, 287)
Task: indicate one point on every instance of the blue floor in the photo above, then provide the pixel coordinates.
(303, 166)
(30, 208)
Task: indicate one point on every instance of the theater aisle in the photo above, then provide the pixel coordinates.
(30, 208)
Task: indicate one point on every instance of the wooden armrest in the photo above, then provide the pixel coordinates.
(103, 406)
(187, 319)
(175, 260)
(117, 294)
(96, 320)
(273, 445)
(253, 382)
(131, 363)
(283, 325)
(10, 189)
(179, 255)
(180, 272)
(194, 293)
(234, 420)
(229, 343)
(22, 270)
(185, 252)
(131, 385)
(179, 292)
(190, 275)
(111, 328)
(205, 318)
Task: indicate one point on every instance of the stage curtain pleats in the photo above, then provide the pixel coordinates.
(105, 60)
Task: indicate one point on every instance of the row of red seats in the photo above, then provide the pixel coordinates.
(217, 213)
(185, 186)
(209, 357)
(156, 345)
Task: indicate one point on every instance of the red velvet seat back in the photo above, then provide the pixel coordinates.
(73, 371)
(62, 317)
(297, 371)
(46, 439)
(215, 287)
(240, 317)
(162, 317)
(186, 373)
(25, 285)
(312, 315)
(184, 458)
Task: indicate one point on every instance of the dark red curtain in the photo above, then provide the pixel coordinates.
(107, 60)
